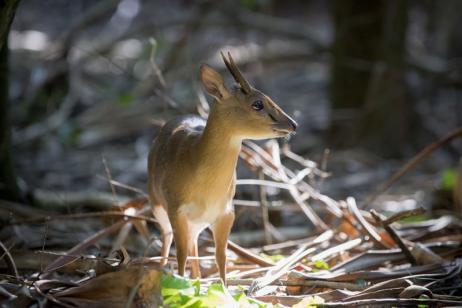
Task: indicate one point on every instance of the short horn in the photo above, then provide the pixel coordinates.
(234, 70)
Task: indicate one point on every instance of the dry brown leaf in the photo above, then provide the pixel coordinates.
(423, 255)
(114, 289)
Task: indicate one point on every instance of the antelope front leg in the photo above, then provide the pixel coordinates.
(181, 236)
(221, 229)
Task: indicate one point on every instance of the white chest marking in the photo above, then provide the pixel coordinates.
(207, 215)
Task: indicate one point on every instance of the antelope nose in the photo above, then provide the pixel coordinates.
(292, 124)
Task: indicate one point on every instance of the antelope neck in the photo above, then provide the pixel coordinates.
(218, 146)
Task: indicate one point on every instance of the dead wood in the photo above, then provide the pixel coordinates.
(457, 133)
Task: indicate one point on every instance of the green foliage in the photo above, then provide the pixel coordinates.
(448, 179)
(125, 99)
(310, 302)
(181, 293)
(321, 264)
(272, 258)
(177, 292)
(68, 133)
(415, 218)
(423, 297)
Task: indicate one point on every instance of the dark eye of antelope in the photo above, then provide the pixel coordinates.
(257, 105)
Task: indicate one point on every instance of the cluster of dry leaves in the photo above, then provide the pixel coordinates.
(352, 257)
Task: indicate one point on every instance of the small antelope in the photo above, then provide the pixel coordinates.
(192, 165)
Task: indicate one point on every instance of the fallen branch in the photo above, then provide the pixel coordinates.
(81, 215)
(76, 250)
(302, 283)
(399, 241)
(402, 215)
(8, 260)
(457, 133)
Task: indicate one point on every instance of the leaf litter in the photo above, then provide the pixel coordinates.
(350, 257)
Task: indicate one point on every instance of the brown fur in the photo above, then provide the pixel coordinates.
(192, 167)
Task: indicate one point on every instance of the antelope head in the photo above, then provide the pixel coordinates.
(248, 112)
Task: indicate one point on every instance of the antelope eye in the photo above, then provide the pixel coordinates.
(257, 105)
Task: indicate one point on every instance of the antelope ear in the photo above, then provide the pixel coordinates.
(213, 83)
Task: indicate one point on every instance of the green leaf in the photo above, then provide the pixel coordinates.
(176, 291)
(310, 302)
(321, 264)
(244, 301)
(217, 295)
(415, 218)
(272, 258)
(197, 287)
(183, 293)
(448, 178)
(171, 282)
(125, 99)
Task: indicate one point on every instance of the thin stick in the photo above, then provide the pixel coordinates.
(50, 297)
(122, 185)
(81, 215)
(82, 246)
(264, 210)
(393, 302)
(366, 226)
(457, 133)
(404, 214)
(9, 260)
(395, 237)
(82, 257)
(303, 283)
(43, 244)
(244, 253)
(109, 178)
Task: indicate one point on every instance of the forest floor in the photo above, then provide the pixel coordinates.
(346, 256)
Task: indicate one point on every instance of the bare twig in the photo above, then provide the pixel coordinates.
(244, 253)
(388, 302)
(81, 246)
(395, 237)
(82, 215)
(9, 260)
(302, 283)
(264, 210)
(367, 227)
(457, 133)
(402, 215)
(109, 179)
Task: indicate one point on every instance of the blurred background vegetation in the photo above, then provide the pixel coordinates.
(91, 81)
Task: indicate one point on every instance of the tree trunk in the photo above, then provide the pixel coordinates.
(358, 29)
(8, 183)
(368, 76)
(386, 124)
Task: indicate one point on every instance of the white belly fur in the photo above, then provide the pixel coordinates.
(208, 216)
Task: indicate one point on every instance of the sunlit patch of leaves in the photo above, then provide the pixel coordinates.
(321, 265)
(181, 293)
(125, 99)
(272, 258)
(415, 218)
(448, 179)
(310, 302)
(423, 297)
